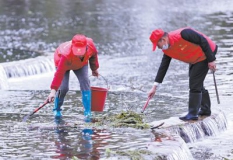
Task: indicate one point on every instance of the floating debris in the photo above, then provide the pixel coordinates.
(127, 119)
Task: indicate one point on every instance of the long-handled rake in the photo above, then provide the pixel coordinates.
(34, 111)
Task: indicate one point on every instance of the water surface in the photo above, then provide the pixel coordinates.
(30, 32)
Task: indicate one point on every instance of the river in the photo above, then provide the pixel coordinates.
(31, 30)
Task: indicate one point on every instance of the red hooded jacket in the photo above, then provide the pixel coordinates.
(65, 60)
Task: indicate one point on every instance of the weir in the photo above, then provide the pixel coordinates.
(28, 67)
(172, 148)
(167, 143)
(3, 79)
(196, 130)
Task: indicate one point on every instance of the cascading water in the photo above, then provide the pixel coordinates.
(3, 79)
(28, 67)
(188, 132)
(171, 148)
(194, 131)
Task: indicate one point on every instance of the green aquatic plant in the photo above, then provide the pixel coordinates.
(134, 154)
(74, 158)
(127, 119)
(109, 152)
(123, 119)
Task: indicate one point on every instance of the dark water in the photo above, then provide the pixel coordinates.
(31, 30)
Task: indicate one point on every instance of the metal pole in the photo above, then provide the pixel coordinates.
(216, 89)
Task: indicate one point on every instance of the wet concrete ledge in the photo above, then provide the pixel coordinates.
(171, 138)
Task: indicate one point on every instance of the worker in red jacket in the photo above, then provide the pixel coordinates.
(73, 55)
(198, 51)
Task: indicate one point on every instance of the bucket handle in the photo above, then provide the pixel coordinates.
(106, 81)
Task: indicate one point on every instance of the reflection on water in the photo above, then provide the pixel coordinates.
(40, 133)
(81, 145)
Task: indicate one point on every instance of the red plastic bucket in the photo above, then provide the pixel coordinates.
(98, 97)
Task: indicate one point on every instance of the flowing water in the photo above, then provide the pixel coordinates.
(31, 30)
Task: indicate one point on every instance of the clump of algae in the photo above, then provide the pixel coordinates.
(134, 154)
(127, 119)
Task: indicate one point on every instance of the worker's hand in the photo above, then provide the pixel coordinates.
(51, 96)
(212, 66)
(152, 92)
(95, 73)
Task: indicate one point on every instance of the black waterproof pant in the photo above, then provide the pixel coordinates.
(197, 74)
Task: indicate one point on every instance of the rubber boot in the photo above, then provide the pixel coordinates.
(57, 106)
(86, 99)
(205, 104)
(194, 106)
